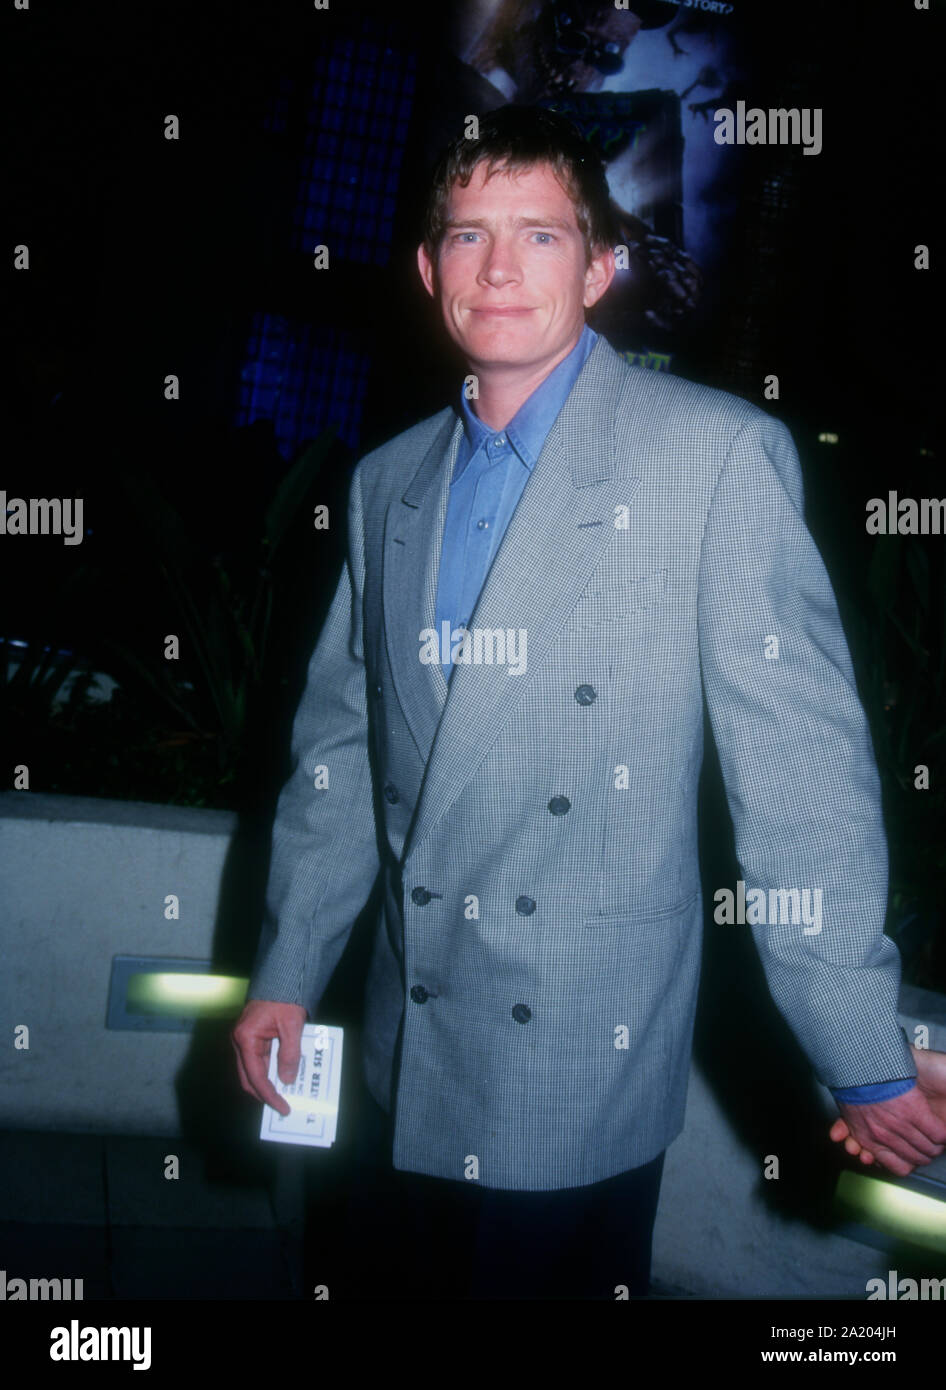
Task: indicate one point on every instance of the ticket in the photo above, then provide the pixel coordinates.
(313, 1094)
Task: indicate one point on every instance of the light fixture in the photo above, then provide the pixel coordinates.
(169, 994)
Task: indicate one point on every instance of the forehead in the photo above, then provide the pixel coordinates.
(532, 190)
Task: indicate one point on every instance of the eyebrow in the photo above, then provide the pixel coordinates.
(531, 221)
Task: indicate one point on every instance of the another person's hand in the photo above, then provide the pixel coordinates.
(887, 1136)
(252, 1035)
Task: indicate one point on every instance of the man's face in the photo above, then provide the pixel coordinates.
(510, 274)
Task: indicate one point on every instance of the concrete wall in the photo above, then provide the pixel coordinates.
(84, 880)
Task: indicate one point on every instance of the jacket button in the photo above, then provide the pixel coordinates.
(418, 994)
(521, 1013)
(586, 694)
(391, 794)
(525, 906)
(559, 805)
(420, 896)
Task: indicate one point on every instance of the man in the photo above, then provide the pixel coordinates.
(507, 697)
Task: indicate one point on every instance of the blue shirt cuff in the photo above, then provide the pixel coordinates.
(867, 1095)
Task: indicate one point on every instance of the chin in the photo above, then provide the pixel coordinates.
(509, 356)
(500, 347)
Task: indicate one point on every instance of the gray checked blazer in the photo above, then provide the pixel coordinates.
(531, 996)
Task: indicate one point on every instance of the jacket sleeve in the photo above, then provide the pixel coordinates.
(324, 851)
(798, 764)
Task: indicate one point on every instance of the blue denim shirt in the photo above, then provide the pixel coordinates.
(491, 471)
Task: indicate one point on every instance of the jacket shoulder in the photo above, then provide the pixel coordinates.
(707, 409)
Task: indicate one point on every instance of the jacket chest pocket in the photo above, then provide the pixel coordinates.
(613, 603)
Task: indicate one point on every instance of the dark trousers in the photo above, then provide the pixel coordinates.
(413, 1236)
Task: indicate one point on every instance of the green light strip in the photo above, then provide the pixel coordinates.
(174, 994)
(900, 1212)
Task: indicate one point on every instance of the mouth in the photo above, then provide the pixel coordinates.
(501, 312)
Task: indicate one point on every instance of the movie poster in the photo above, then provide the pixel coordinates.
(642, 84)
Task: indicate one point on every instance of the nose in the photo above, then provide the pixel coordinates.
(500, 264)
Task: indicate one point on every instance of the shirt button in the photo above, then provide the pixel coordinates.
(521, 1013)
(483, 524)
(420, 896)
(525, 906)
(559, 805)
(391, 794)
(586, 694)
(419, 994)
(499, 440)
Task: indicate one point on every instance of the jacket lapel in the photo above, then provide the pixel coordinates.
(413, 537)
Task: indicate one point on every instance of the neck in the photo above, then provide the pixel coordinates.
(504, 390)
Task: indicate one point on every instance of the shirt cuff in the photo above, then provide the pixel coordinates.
(867, 1095)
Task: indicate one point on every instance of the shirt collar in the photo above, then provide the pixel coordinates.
(528, 430)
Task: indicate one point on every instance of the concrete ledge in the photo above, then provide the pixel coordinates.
(93, 810)
(85, 880)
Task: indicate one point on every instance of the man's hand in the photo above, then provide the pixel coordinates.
(905, 1131)
(260, 1022)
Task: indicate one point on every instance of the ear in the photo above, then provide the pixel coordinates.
(426, 267)
(598, 276)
